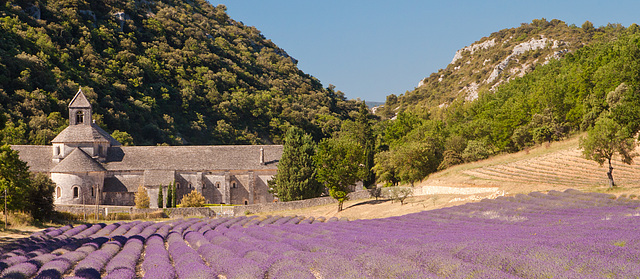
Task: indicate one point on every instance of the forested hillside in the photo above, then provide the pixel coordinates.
(434, 128)
(168, 71)
(499, 58)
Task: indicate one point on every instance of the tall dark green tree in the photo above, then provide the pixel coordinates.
(14, 177)
(367, 142)
(296, 177)
(174, 202)
(169, 195)
(339, 167)
(361, 132)
(40, 196)
(160, 197)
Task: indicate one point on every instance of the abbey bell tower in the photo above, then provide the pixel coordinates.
(82, 133)
(79, 110)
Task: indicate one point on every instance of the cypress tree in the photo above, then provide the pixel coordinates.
(367, 141)
(175, 196)
(169, 196)
(160, 201)
(296, 176)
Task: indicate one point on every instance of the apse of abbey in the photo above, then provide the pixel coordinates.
(89, 166)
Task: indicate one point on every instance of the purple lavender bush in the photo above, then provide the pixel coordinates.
(567, 234)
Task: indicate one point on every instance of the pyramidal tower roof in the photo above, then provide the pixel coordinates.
(79, 101)
(78, 161)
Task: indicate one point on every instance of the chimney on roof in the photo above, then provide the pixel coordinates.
(261, 155)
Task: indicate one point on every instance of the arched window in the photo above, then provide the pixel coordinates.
(58, 192)
(218, 185)
(79, 117)
(246, 202)
(233, 184)
(190, 186)
(177, 185)
(76, 192)
(93, 192)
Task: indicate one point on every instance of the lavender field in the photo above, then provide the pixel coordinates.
(560, 234)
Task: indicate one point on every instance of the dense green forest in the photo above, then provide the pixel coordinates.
(598, 80)
(156, 72)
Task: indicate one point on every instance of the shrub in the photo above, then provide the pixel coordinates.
(193, 199)
(375, 192)
(400, 193)
(137, 216)
(64, 217)
(142, 199)
(157, 214)
(17, 218)
(476, 150)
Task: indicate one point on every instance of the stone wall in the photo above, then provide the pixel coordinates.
(119, 198)
(292, 205)
(240, 210)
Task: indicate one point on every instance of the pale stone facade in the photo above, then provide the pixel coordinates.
(89, 166)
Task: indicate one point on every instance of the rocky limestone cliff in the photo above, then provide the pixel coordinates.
(494, 60)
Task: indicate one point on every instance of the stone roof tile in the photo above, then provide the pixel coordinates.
(79, 101)
(84, 133)
(78, 161)
(38, 157)
(158, 177)
(221, 157)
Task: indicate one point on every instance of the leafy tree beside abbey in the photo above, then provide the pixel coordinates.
(25, 191)
(296, 178)
(167, 71)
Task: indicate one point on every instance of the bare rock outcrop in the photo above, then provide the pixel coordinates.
(520, 49)
(473, 48)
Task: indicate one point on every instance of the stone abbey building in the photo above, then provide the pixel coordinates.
(89, 166)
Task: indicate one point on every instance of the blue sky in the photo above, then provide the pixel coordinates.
(370, 49)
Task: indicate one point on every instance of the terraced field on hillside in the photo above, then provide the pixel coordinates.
(566, 167)
(551, 167)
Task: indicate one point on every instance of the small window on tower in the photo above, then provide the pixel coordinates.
(76, 192)
(79, 117)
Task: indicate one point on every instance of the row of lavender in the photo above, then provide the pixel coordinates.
(93, 251)
(561, 234)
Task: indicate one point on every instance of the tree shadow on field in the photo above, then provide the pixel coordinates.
(372, 202)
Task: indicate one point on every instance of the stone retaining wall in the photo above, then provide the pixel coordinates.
(292, 205)
(228, 211)
(225, 211)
